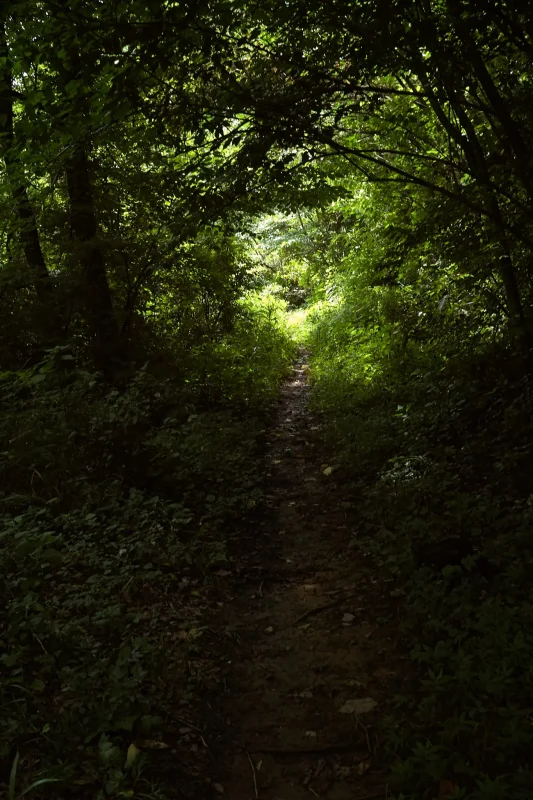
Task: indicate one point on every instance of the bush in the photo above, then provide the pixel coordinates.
(114, 500)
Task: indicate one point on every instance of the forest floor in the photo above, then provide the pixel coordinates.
(309, 634)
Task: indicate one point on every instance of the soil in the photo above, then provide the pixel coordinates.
(311, 633)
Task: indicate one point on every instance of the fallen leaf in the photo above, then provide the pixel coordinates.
(363, 767)
(327, 471)
(446, 788)
(152, 744)
(218, 788)
(358, 706)
(343, 773)
(348, 617)
(311, 734)
(270, 629)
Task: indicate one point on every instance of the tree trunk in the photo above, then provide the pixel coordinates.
(27, 222)
(96, 298)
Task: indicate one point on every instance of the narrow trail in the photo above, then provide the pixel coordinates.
(311, 634)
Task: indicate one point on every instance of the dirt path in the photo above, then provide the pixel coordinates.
(309, 635)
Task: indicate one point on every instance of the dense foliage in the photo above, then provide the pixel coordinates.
(427, 405)
(173, 178)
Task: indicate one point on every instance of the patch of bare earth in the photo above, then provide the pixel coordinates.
(312, 659)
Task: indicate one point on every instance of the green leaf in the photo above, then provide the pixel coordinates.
(51, 556)
(13, 777)
(25, 548)
(40, 782)
(132, 756)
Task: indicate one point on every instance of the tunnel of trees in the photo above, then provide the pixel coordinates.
(190, 190)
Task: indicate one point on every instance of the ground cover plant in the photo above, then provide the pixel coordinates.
(114, 506)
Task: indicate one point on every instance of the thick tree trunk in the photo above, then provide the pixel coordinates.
(95, 292)
(96, 298)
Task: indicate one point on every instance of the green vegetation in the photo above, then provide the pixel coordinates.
(186, 190)
(426, 401)
(114, 509)
(427, 408)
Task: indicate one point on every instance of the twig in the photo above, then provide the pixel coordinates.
(311, 611)
(297, 751)
(190, 725)
(312, 791)
(252, 767)
(336, 591)
(358, 722)
(42, 645)
(261, 589)
(197, 730)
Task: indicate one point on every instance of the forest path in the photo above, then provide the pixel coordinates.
(310, 631)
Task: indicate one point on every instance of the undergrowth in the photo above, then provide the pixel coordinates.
(115, 502)
(438, 445)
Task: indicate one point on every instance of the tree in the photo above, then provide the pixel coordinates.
(25, 227)
(419, 96)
